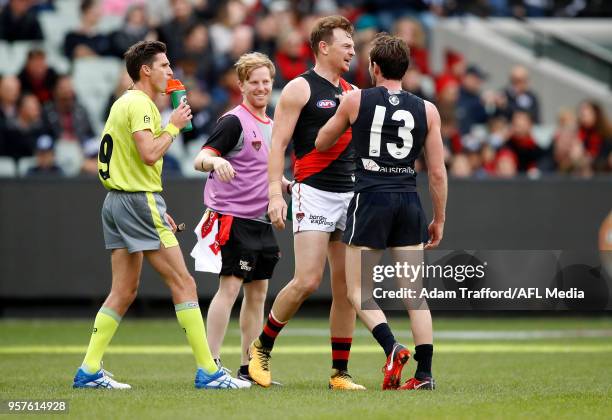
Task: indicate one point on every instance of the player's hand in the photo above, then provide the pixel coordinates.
(277, 210)
(436, 231)
(170, 221)
(181, 115)
(224, 170)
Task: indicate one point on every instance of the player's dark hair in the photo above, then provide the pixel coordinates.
(391, 54)
(323, 30)
(140, 54)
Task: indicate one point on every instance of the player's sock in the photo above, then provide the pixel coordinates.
(341, 350)
(270, 331)
(105, 325)
(243, 370)
(382, 333)
(190, 319)
(423, 354)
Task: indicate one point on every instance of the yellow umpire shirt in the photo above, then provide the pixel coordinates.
(120, 166)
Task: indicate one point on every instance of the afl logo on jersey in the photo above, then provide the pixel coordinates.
(326, 103)
(394, 100)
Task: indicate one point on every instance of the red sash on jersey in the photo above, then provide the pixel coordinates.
(315, 161)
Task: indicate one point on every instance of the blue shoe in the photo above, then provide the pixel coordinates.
(100, 379)
(218, 380)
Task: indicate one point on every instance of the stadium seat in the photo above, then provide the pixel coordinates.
(13, 55)
(24, 164)
(55, 26)
(94, 79)
(8, 168)
(69, 156)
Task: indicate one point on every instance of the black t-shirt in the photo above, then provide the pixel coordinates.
(225, 135)
(388, 136)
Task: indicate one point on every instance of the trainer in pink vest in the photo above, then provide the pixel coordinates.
(246, 195)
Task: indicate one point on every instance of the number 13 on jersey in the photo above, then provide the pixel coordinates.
(403, 132)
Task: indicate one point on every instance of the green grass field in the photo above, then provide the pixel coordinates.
(484, 368)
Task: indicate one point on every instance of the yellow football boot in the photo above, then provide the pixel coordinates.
(341, 379)
(259, 364)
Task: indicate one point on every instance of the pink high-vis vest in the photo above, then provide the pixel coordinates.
(246, 195)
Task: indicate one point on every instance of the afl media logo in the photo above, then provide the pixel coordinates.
(326, 103)
(393, 100)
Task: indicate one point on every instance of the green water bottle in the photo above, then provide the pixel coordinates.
(178, 94)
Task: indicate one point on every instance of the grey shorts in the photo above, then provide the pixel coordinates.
(135, 220)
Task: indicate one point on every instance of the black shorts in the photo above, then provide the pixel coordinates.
(251, 252)
(382, 220)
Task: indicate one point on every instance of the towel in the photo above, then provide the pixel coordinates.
(207, 251)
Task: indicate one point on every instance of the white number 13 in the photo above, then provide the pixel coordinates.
(402, 132)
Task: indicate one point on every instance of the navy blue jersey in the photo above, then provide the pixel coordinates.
(388, 136)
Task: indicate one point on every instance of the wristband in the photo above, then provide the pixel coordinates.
(172, 130)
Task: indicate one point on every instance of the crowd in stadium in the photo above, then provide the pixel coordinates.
(487, 133)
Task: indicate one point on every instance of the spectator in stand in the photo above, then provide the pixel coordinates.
(45, 159)
(413, 82)
(22, 132)
(460, 166)
(292, 58)
(37, 77)
(226, 93)
(172, 33)
(231, 14)
(87, 41)
(266, 30)
(506, 164)
(64, 116)
(242, 38)
(569, 154)
(197, 71)
(522, 143)
(89, 168)
(135, 28)
(470, 108)
(447, 106)
(519, 96)
(454, 70)
(411, 31)
(10, 90)
(197, 54)
(595, 132)
(18, 22)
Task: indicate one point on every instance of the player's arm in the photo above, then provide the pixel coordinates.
(222, 140)
(208, 160)
(150, 148)
(436, 172)
(292, 99)
(345, 115)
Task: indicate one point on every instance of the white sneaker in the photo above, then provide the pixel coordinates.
(100, 379)
(218, 380)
